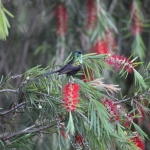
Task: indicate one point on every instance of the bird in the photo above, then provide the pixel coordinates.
(72, 67)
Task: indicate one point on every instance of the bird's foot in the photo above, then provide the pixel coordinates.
(71, 79)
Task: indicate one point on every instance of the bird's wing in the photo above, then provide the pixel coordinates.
(68, 68)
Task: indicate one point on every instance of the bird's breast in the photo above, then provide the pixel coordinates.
(76, 64)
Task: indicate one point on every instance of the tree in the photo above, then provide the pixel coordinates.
(97, 108)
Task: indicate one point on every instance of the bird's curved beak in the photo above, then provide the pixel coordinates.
(84, 51)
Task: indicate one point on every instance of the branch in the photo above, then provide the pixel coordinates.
(27, 132)
(13, 108)
(9, 90)
(123, 100)
(12, 77)
(133, 97)
(112, 6)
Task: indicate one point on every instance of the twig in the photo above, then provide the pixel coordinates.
(12, 77)
(83, 116)
(121, 101)
(27, 132)
(46, 95)
(29, 128)
(16, 76)
(9, 90)
(112, 6)
(10, 110)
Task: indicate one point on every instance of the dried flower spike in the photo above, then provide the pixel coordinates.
(120, 62)
(107, 87)
(71, 96)
(62, 18)
(91, 14)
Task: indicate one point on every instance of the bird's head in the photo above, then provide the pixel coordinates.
(78, 56)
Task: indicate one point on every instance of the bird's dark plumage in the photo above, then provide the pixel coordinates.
(71, 67)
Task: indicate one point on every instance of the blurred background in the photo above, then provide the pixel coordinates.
(45, 32)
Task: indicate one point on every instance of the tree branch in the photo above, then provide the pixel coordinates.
(27, 131)
(9, 90)
(112, 6)
(12, 77)
(13, 108)
(123, 100)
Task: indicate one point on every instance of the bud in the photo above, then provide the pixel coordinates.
(109, 37)
(62, 18)
(136, 19)
(91, 14)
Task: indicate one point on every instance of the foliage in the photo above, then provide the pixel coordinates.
(95, 109)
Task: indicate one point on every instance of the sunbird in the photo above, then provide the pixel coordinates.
(72, 67)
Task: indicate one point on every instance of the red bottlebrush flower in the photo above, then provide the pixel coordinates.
(120, 62)
(138, 141)
(136, 20)
(62, 18)
(78, 139)
(110, 38)
(91, 14)
(112, 109)
(101, 47)
(71, 96)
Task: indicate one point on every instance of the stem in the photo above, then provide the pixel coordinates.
(12, 77)
(9, 90)
(112, 6)
(27, 131)
(121, 101)
(10, 110)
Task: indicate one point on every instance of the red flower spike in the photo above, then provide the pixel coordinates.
(62, 18)
(71, 96)
(136, 24)
(78, 139)
(120, 62)
(112, 109)
(91, 14)
(138, 141)
(101, 47)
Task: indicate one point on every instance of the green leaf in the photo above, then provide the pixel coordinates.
(8, 13)
(70, 126)
(139, 79)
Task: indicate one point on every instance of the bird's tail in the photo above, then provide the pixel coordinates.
(44, 75)
(48, 73)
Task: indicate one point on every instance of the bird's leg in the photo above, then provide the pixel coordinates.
(71, 79)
